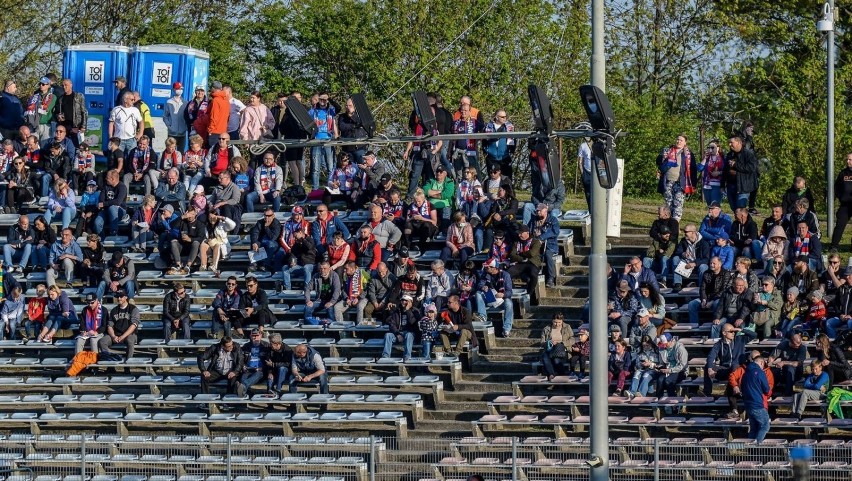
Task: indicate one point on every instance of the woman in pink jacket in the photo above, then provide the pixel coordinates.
(257, 119)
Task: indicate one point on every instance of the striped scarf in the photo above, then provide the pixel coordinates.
(802, 246)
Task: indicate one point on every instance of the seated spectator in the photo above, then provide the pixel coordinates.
(500, 248)
(324, 228)
(650, 299)
(82, 168)
(217, 241)
(615, 337)
(11, 313)
(124, 321)
(367, 251)
(841, 307)
(788, 362)
(167, 227)
(714, 223)
(226, 308)
(767, 305)
(60, 313)
(35, 163)
(799, 190)
(19, 245)
(659, 254)
(176, 313)
(815, 317)
(724, 251)
(36, 307)
(525, 259)
(91, 269)
(307, 368)
(674, 361)
(723, 358)
(495, 290)
(278, 364)
(411, 283)
(193, 231)
(379, 290)
(814, 389)
(93, 322)
(804, 277)
(198, 201)
(18, 188)
(268, 182)
(439, 285)
(171, 158)
(112, 205)
(642, 329)
(255, 355)
(776, 245)
(803, 214)
(141, 166)
(468, 195)
(193, 163)
(353, 292)
(441, 192)
(226, 198)
(498, 216)
(120, 275)
(254, 307)
(344, 183)
(339, 252)
(395, 210)
(742, 270)
(88, 209)
(555, 339)
(65, 256)
(646, 371)
(221, 361)
(623, 306)
(734, 308)
(61, 203)
(579, 352)
(776, 218)
(265, 234)
(171, 190)
(713, 283)
(57, 162)
(620, 360)
(664, 219)
(456, 321)
(459, 245)
(694, 252)
(372, 175)
(831, 278)
(833, 360)
(421, 221)
(302, 257)
(635, 273)
(142, 223)
(744, 235)
(402, 328)
(791, 314)
(465, 284)
(325, 285)
(43, 239)
(544, 226)
(805, 244)
(428, 329)
(385, 232)
(495, 180)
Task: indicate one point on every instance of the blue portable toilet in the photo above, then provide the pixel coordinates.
(92, 68)
(153, 70)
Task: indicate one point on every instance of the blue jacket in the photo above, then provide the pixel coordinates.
(57, 249)
(711, 228)
(725, 255)
(754, 387)
(169, 227)
(724, 356)
(811, 382)
(333, 225)
(645, 275)
(547, 233)
(502, 282)
(11, 111)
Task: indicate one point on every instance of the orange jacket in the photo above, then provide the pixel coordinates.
(219, 110)
(736, 378)
(80, 361)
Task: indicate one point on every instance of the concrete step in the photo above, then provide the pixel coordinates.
(485, 366)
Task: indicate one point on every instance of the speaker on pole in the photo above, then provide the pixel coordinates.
(540, 105)
(364, 114)
(424, 110)
(300, 114)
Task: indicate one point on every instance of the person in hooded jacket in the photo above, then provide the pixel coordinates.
(776, 245)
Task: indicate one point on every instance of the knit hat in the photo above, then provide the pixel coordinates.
(793, 290)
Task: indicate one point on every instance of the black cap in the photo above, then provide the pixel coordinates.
(499, 234)
(385, 178)
(120, 293)
(440, 169)
(714, 204)
(494, 168)
(664, 229)
(802, 259)
(91, 297)
(403, 251)
(523, 229)
(116, 258)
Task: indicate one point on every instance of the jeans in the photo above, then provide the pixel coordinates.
(191, 182)
(12, 320)
(552, 366)
(758, 419)
(426, 344)
(722, 374)
(106, 342)
(249, 379)
(832, 325)
(68, 213)
(127, 145)
(22, 254)
(322, 380)
(678, 279)
(286, 272)
(129, 287)
(417, 165)
(149, 180)
(407, 342)
(111, 217)
(280, 376)
(662, 264)
(642, 379)
(46, 180)
(695, 305)
(253, 197)
(742, 199)
(271, 247)
(58, 321)
(321, 157)
(41, 255)
(463, 254)
(507, 307)
(713, 194)
(529, 210)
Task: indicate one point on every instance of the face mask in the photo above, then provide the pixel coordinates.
(462, 224)
(179, 92)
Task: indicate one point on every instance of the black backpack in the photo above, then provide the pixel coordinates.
(293, 194)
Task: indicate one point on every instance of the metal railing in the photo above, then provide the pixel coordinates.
(265, 458)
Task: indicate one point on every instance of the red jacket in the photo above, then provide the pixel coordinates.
(219, 110)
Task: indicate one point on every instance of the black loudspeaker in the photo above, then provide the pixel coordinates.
(597, 108)
(365, 115)
(544, 163)
(604, 162)
(424, 111)
(540, 105)
(300, 113)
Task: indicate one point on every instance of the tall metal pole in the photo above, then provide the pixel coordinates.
(829, 151)
(598, 388)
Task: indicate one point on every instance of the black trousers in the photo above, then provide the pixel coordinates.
(215, 376)
(526, 271)
(840, 223)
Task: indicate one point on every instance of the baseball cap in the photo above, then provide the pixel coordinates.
(121, 293)
(298, 210)
(199, 189)
(385, 178)
(495, 168)
(724, 236)
(255, 332)
(431, 308)
(664, 229)
(177, 85)
(216, 85)
(403, 252)
(664, 338)
(644, 312)
(44, 81)
(168, 208)
(92, 182)
(91, 297)
(523, 228)
(116, 258)
(120, 78)
(406, 297)
(499, 234)
(199, 87)
(542, 206)
(490, 263)
(714, 205)
(440, 169)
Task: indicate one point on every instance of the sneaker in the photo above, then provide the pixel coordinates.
(677, 287)
(662, 284)
(753, 211)
(173, 271)
(733, 414)
(184, 271)
(618, 393)
(252, 267)
(550, 283)
(629, 395)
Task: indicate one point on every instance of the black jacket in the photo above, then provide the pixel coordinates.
(713, 285)
(264, 354)
(702, 250)
(843, 186)
(672, 224)
(403, 321)
(260, 231)
(196, 230)
(842, 302)
(48, 235)
(58, 164)
(18, 236)
(742, 302)
(207, 360)
(175, 308)
(305, 252)
(281, 358)
(740, 232)
(746, 170)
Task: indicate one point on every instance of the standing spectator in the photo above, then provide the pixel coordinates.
(675, 362)
(843, 192)
(423, 157)
(350, 128)
(788, 362)
(121, 85)
(714, 223)
(226, 308)
(221, 361)
(264, 235)
(295, 157)
(494, 290)
(841, 307)
(584, 163)
(174, 118)
(268, 182)
(742, 163)
(197, 115)
(125, 123)
(456, 321)
(19, 245)
(11, 110)
(60, 313)
(237, 108)
(256, 121)
(254, 307)
(176, 313)
(402, 328)
(124, 321)
(545, 227)
(112, 205)
(93, 324)
(756, 389)
(70, 111)
(464, 151)
(580, 352)
(39, 111)
(678, 175)
(724, 357)
(65, 255)
(61, 203)
(693, 252)
(219, 110)
(551, 195)
(277, 366)
(500, 151)
(256, 353)
(119, 276)
(712, 169)
(324, 116)
(307, 367)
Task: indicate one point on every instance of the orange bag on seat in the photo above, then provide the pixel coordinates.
(80, 361)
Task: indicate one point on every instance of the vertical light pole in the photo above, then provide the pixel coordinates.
(598, 388)
(827, 25)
